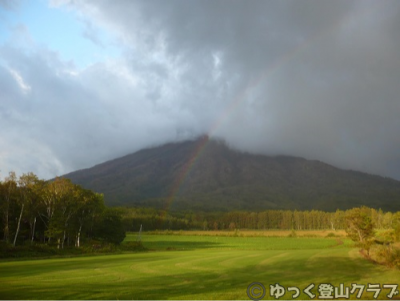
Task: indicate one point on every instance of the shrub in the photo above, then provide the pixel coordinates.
(133, 246)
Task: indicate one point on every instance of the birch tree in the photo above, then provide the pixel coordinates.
(26, 183)
(89, 204)
(53, 197)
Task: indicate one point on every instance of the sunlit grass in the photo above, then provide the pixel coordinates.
(253, 233)
(190, 242)
(194, 267)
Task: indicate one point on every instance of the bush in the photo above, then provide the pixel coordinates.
(133, 246)
(34, 250)
(387, 255)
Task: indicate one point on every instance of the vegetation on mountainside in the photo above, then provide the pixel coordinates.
(206, 175)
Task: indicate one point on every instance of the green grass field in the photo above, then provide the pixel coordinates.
(195, 267)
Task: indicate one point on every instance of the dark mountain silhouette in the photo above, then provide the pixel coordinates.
(206, 174)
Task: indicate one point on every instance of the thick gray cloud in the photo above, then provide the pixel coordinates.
(316, 79)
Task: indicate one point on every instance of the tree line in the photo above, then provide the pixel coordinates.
(58, 212)
(55, 212)
(153, 219)
(360, 225)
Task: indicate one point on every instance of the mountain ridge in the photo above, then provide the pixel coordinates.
(206, 174)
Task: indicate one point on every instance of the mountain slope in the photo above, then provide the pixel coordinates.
(207, 175)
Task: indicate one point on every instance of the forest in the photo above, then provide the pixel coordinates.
(59, 213)
(55, 213)
(153, 219)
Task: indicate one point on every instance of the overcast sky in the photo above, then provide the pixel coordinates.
(85, 81)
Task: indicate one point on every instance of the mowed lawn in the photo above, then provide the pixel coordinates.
(195, 267)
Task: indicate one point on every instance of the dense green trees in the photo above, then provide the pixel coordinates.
(110, 228)
(8, 196)
(153, 219)
(55, 212)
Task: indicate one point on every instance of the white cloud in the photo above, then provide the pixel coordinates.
(20, 81)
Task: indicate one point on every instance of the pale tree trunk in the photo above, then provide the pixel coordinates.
(19, 223)
(63, 239)
(360, 236)
(50, 211)
(6, 229)
(33, 229)
(65, 229)
(78, 237)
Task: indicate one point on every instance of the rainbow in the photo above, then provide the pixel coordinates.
(184, 171)
(233, 106)
(240, 98)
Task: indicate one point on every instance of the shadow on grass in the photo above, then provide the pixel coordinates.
(179, 245)
(20, 269)
(200, 282)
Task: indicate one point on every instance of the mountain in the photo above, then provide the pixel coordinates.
(205, 174)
